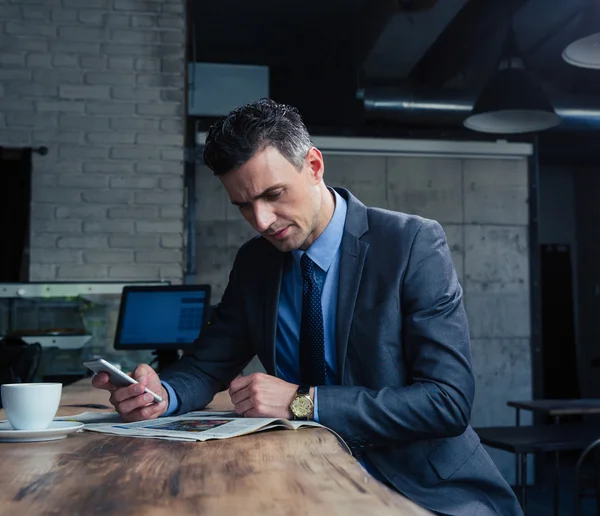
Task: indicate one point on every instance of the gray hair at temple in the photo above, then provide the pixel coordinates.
(233, 140)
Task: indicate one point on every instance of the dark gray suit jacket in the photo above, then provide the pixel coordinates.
(403, 357)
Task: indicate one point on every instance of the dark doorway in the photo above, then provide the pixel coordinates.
(15, 200)
(559, 352)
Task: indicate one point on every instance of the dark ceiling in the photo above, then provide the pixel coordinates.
(309, 46)
(321, 52)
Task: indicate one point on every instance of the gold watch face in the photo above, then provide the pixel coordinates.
(302, 406)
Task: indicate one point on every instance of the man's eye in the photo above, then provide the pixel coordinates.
(273, 196)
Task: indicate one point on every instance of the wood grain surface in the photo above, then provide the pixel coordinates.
(276, 472)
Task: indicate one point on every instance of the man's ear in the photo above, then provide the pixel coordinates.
(314, 159)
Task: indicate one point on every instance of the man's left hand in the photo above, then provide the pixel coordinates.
(262, 395)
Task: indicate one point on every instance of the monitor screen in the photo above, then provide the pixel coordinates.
(161, 317)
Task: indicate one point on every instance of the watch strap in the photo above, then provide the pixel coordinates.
(303, 390)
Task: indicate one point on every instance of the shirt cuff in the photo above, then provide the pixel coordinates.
(173, 401)
(316, 403)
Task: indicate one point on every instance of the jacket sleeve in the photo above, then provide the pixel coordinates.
(220, 354)
(437, 401)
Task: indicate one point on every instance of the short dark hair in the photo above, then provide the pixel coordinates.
(235, 139)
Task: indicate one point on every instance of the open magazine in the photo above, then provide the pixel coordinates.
(193, 426)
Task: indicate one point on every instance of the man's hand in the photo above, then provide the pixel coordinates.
(262, 395)
(131, 402)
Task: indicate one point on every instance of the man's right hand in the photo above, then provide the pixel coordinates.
(131, 402)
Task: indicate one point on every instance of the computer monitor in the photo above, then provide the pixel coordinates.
(163, 318)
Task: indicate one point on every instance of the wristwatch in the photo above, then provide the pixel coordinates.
(302, 406)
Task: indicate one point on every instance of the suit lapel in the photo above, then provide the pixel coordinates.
(352, 260)
(274, 272)
(353, 253)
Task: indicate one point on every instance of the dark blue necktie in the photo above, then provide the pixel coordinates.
(312, 339)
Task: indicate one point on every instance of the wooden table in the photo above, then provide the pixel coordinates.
(280, 472)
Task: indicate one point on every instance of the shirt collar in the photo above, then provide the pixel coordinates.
(323, 250)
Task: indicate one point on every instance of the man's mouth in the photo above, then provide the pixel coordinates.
(278, 235)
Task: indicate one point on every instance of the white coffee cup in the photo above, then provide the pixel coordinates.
(31, 406)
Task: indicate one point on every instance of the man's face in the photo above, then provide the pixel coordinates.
(279, 201)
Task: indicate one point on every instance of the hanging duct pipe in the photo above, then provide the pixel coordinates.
(443, 110)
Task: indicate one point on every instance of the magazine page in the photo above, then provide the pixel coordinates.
(110, 417)
(200, 425)
(212, 413)
(305, 423)
(91, 417)
(190, 427)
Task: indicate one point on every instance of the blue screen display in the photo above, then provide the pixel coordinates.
(168, 317)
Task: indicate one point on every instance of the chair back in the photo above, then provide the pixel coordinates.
(592, 447)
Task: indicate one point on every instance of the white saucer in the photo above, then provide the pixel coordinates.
(56, 430)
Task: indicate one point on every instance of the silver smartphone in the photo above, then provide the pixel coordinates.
(117, 377)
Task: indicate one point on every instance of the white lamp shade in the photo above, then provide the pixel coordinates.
(512, 121)
(512, 102)
(584, 52)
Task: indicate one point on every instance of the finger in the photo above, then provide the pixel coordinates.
(151, 411)
(142, 370)
(152, 375)
(135, 403)
(238, 376)
(240, 383)
(148, 378)
(124, 393)
(243, 407)
(142, 380)
(240, 395)
(102, 381)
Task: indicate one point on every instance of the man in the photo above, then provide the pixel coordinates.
(355, 313)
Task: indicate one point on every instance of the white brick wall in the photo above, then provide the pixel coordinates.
(101, 84)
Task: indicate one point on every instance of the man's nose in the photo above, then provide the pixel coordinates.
(263, 218)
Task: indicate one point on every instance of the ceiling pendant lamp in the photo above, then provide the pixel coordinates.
(512, 101)
(585, 52)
